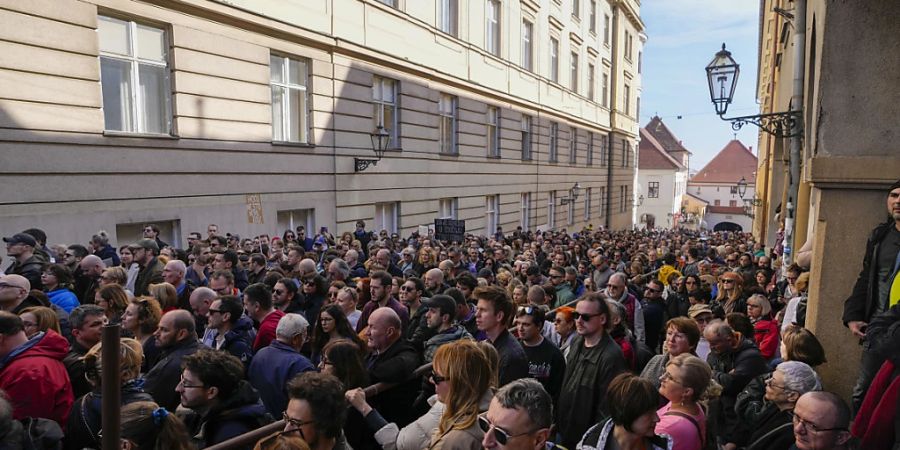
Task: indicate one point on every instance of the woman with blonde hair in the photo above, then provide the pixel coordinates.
(730, 296)
(114, 275)
(166, 294)
(113, 299)
(148, 426)
(37, 319)
(85, 419)
(683, 382)
(141, 319)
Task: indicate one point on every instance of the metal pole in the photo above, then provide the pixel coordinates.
(112, 386)
(796, 130)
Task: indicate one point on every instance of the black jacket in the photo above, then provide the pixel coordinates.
(395, 365)
(860, 305)
(30, 269)
(162, 378)
(148, 275)
(85, 420)
(733, 371)
(238, 414)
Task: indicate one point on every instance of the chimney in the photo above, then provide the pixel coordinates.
(751, 149)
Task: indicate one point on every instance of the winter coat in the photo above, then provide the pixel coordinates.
(148, 275)
(85, 419)
(271, 369)
(597, 435)
(454, 333)
(35, 378)
(733, 371)
(162, 378)
(235, 415)
(75, 368)
(395, 365)
(860, 305)
(238, 341)
(31, 269)
(108, 253)
(414, 436)
(765, 334)
(64, 298)
(582, 401)
(774, 431)
(751, 404)
(513, 360)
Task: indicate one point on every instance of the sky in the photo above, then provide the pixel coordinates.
(682, 38)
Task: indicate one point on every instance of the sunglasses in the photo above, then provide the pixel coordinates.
(585, 317)
(500, 435)
(529, 310)
(437, 379)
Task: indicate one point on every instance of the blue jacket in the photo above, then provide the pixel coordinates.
(109, 252)
(64, 298)
(272, 367)
(239, 340)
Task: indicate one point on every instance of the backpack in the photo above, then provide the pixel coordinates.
(41, 434)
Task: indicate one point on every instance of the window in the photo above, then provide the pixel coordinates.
(587, 204)
(570, 213)
(606, 29)
(493, 131)
(447, 109)
(527, 49)
(448, 16)
(653, 189)
(640, 60)
(626, 97)
(551, 209)
(717, 202)
(629, 45)
(637, 108)
(291, 219)
(447, 208)
(492, 37)
(134, 77)
(290, 114)
(554, 60)
(593, 17)
(590, 148)
(602, 201)
(732, 203)
(604, 148)
(622, 192)
(526, 138)
(387, 216)
(734, 190)
(573, 69)
(604, 91)
(573, 145)
(624, 153)
(384, 99)
(576, 8)
(525, 211)
(169, 230)
(491, 213)
(590, 82)
(554, 142)
(392, 3)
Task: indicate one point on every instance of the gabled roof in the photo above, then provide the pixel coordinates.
(664, 136)
(653, 156)
(732, 163)
(697, 199)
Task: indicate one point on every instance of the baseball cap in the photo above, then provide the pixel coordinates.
(444, 303)
(699, 308)
(21, 238)
(148, 244)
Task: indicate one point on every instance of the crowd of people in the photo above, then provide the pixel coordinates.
(596, 339)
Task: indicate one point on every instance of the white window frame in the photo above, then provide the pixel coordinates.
(492, 135)
(604, 148)
(553, 153)
(602, 201)
(626, 98)
(587, 204)
(573, 145)
(604, 91)
(380, 105)
(591, 81)
(590, 149)
(525, 211)
(653, 189)
(135, 120)
(491, 213)
(387, 216)
(448, 106)
(554, 60)
(492, 34)
(527, 45)
(593, 17)
(624, 153)
(448, 17)
(285, 88)
(448, 208)
(606, 29)
(551, 210)
(527, 138)
(576, 9)
(573, 71)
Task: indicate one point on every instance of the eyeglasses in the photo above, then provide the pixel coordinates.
(407, 289)
(585, 317)
(309, 283)
(500, 435)
(667, 376)
(184, 384)
(690, 282)
(727, 280)
(811, 427)
(215, 311)
(278, 291)
(529, 310)
(771, 382)
(333, 294)
(437, 379)
(295, 422)
(649, 289)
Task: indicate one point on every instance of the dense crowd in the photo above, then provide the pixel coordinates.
(594, 339)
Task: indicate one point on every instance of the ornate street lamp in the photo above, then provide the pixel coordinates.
(722, 74)
(742, 187)
(381, 139)
(574, 192)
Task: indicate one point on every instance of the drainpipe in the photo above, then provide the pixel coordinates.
(613, 108)
(796, 129)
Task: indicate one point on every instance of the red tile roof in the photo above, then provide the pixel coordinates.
(664, 136)
(653, 156)
(731, 164)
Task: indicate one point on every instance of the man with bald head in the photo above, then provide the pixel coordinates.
(199, 302)
(14, 296)
(357, 270)
(434, 282)
(383, 258)
(306, 268)
(176, 337)
(174, 273)
(391, 360)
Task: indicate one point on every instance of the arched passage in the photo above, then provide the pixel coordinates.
(727, 226)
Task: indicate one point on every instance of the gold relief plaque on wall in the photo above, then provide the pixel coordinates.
(254, 209)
